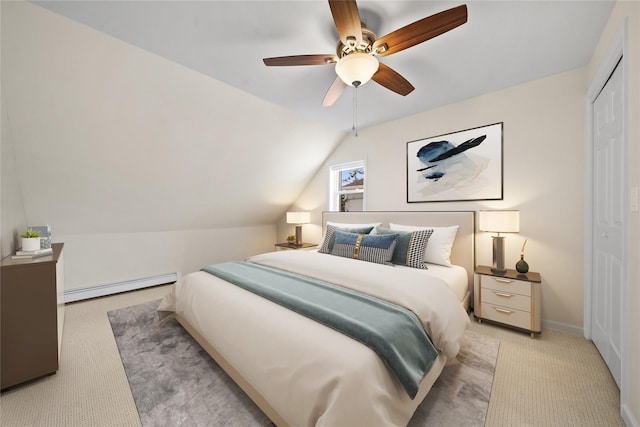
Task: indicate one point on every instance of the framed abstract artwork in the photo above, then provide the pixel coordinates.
(459, 166)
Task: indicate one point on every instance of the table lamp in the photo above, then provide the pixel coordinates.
(298, 218)
(499, 222)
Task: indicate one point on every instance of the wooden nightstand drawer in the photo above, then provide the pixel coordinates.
(506, 285)
(506, 299)
(509, 316)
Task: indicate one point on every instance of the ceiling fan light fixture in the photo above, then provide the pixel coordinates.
(357, 68)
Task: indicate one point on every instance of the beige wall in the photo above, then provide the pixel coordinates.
(13, 218)
(629, 12)
(543, 177)
(108, 258)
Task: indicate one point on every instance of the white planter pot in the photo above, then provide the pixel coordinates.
(31, 244)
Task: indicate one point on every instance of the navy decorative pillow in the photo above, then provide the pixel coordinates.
(365, 247)
(327, 244)
(410, 246)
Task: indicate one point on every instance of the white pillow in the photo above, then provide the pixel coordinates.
(438, 249)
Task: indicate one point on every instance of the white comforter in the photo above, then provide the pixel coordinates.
(311, 374)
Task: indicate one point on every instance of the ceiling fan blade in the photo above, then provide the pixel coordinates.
(347, 19)
(422, 30)
(334, 92)
(390, 79)
(301, 60)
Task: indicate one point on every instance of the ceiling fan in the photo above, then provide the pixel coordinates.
(356, 59)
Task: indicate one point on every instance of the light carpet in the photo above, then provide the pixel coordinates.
(175, 382)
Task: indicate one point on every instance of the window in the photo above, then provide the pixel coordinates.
(346, 183)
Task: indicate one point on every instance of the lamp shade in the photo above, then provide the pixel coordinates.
(357, 67)
(298, 217)
(499, 221)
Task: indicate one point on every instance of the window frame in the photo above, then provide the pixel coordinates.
(334, 183)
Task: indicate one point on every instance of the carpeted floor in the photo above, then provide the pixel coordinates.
(554, 380)
(174, 381)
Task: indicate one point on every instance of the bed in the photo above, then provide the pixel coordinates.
(303, 373)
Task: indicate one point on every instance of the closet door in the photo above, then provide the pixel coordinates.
(608, 221)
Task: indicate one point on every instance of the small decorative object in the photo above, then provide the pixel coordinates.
(522, 266)
(30, 240)
(291, 239)
(45, 235)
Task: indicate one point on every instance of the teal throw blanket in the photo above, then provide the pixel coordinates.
(394, 332)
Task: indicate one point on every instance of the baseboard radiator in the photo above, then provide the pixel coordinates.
(115, 288)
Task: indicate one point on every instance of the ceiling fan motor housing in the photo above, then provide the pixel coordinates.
(357, 64)
(368, 38)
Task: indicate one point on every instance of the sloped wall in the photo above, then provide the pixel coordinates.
(129, 156)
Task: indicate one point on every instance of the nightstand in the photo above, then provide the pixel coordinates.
(293, 246)
(510, 298)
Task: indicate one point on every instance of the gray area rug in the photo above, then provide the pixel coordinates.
(175, 382)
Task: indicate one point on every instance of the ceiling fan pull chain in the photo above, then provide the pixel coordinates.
(355, 108)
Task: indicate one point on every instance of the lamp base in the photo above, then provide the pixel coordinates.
(498, 255)
(298, 235)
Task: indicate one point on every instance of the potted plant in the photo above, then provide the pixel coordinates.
(291, 239)
(30, 240)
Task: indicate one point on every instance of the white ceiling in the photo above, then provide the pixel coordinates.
(504, 43)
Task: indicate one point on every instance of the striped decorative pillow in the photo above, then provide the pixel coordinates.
(327, 243)
(438, 250)
(365, 247)
(410, 247)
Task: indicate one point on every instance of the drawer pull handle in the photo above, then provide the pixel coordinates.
(502, 294)
(503, 280)
(502, 310)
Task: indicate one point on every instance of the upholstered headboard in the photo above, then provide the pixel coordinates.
(463, 250)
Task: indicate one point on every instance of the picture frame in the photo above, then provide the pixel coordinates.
(45, 235)
(460, 166)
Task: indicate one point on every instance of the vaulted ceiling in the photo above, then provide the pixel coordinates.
(132, 107)
(504, 43)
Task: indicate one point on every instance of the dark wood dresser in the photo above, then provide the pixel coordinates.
(31, 316)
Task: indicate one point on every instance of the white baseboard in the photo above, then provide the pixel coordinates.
(628, 417)
(114, 288)
(563, 327)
